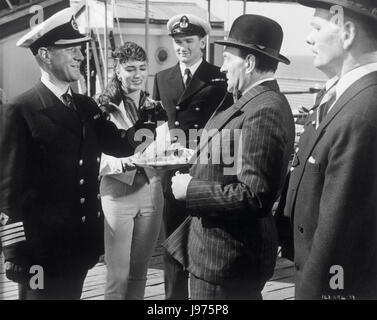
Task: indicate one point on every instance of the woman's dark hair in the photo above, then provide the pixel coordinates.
(129, 51)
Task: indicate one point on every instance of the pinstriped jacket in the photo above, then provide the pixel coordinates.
(230, 232)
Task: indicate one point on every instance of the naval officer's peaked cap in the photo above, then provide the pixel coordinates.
(188, 25)
(58, 30)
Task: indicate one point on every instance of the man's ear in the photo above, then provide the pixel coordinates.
(250, 63)
(44, 54)
(203, 43)
(348, 34)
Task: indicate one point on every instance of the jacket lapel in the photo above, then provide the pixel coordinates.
(52, 107)
(175, 83)
(198, 81)
(359, 85)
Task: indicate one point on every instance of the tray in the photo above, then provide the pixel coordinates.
(161, 165)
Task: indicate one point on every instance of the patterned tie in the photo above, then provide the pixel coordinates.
(68, 101)
(319, 97)
(327, 101)
(187, 77)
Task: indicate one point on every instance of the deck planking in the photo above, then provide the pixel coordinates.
(280, 286)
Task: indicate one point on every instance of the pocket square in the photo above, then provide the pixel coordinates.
(311, 160)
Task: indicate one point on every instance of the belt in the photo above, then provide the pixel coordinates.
(140, 171)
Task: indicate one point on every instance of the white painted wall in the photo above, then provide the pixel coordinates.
(18, 69)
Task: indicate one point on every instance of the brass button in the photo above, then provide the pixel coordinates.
(313, 123)
(98, 214)
(99, 178)
(83, 218)
(197, 109)
(82, 200)
(177, 108)
(98, 159)
(176, 123)
(196, 126)
(175, 139)
(81, 181)
(98, 196)
(81, 162)
(311, 112)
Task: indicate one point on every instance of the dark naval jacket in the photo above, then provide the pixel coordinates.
(191, 107)
(49, 162)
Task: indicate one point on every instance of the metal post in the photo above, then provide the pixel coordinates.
(87, 50)
(105, 45)
(146, 40)
(209, 21)
(244, 6)
(228, 17)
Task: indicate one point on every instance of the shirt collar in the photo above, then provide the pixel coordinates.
(352, 76)
(193, 68)
(258, 83)
(58, 91)
(331, 82)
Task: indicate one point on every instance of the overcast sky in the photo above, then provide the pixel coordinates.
(294, 19)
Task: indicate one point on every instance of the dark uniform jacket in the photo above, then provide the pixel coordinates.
(49, 162)
(187, 108)
(231, 233)
(332, 199)
(190, 108)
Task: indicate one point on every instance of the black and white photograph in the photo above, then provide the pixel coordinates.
(188, 153)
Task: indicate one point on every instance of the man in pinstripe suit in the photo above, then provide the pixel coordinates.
(229, 241)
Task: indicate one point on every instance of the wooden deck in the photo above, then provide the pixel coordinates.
(280, 287)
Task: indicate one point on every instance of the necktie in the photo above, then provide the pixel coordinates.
(68, 101)
(319, 97)
(324, 100)
(187, 77)
(327, 101)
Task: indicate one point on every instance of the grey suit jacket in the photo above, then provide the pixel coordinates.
(230, 233)
(332, 198)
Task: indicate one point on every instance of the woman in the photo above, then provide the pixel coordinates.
(132, 198)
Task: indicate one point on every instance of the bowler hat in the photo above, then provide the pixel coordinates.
(256, 33)
(367, 8)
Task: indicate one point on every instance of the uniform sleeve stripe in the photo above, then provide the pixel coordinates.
(12, 225)
(13, 235)
(8, 243)
(7, 232)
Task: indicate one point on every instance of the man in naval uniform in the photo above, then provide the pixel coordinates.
(51, 140)
(190, 92)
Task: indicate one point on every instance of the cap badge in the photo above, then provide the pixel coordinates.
(184, 22)
(74, 24)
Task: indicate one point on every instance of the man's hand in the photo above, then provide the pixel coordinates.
(18, 269)
(179, 185)
(303, 115)
(127, 165)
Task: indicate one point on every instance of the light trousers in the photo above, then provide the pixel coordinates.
(132, 226)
